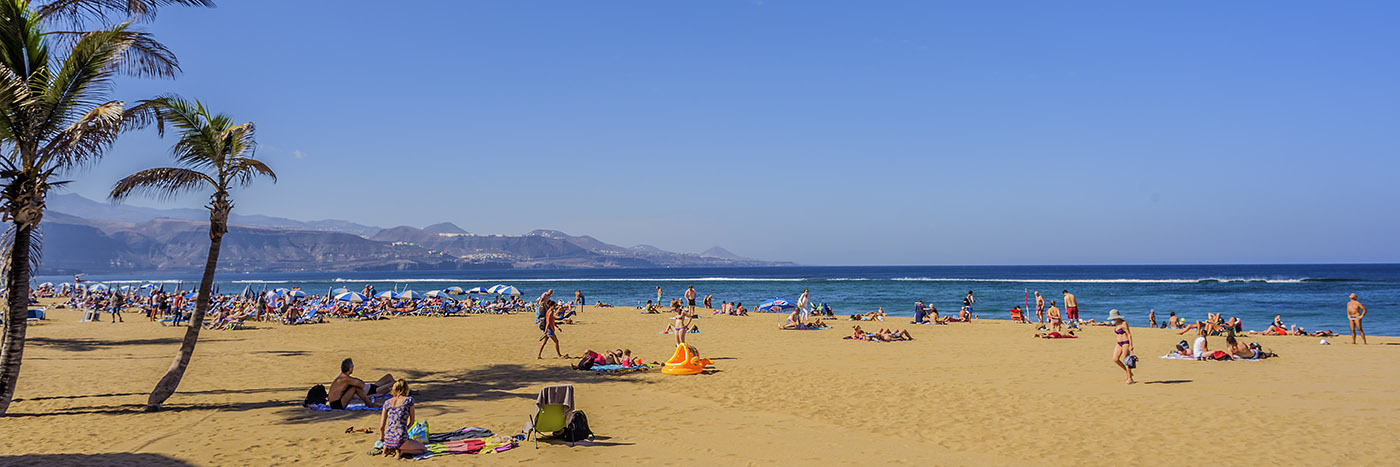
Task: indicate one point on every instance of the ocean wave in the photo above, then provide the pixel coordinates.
(1206, 280)
(505, 281)
(160, 281)
(263, 282)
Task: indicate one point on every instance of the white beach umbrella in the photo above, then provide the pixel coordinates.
(46, 284)
(454, 290)
(411, 295)
(476, 291)
(389, 295)
(496, 289)
(99, 288)
(508, 290)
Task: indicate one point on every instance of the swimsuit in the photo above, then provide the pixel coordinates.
(1120, 331)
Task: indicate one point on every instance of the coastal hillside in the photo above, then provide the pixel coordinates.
(135, 239)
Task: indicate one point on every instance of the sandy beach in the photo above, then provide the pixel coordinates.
(961, 394)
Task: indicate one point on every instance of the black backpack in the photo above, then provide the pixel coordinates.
(317, 395)
(577, 429)
(585, 364)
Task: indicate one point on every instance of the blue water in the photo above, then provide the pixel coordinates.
(1313, 296)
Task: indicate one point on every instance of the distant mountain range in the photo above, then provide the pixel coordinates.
(82, 235)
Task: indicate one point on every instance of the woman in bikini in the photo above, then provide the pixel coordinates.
(1124, 346)
(680, 324)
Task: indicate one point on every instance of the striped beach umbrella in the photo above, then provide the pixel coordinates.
(411, 295)
(508, 290)
(351, 297)
(496, 289)
(391, 295)
(46, 284)
(476, 291)
(777, 305)
(454, 290)
(99, 288)
(296, 294)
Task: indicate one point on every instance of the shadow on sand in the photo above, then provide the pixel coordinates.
(85, 345)
(116, 458)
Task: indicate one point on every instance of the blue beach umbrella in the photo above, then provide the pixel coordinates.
(191, 295)
(411, 295)
(496, 289)
(389, 295)
(46, 284)
(508, 290)
(296, 294)
(454, 290)
(438, 294)
(340, 291)
(777, 305)
(351, 297)
(476, 291)
(99, 288)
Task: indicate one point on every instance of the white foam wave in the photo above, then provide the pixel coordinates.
(263, 282)
(507, 281)
(1106, 281)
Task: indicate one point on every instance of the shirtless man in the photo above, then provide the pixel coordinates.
(1152, 318)
(1071, 306)
(346, 388)
(1356, 311)
(658, 295)
(1054, 315)
(541, 305)
(1039, 307)
(690, 298)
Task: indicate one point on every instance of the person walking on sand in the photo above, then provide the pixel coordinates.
(541, 305)
(967, 304)
(802, 303)
(1039, 307)
(707, 302)
(551, 330)
(1071, 307)
(1356, 311)
(1124, 349)
(690, 298)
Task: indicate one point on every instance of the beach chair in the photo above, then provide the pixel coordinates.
(36, 314)
(1017, 316)
(553, 409)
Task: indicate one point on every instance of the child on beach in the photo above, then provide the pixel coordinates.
(680, 325)
(1123, 351)
(394, 420)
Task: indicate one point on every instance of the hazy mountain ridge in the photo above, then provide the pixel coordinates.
(131, 240)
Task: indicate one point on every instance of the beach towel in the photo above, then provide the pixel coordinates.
(468, 446)
(353, 406)
(562, 394)
(806, 329)
(1177, 356)
(465, 433)
(615, 369)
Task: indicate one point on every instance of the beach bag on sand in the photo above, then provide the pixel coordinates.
(577, 429)
(419, 432)
(317, 395)
(586, 363)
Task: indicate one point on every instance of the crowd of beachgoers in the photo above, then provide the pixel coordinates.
(287, 305)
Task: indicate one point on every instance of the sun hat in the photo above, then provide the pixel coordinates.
(1113, 314)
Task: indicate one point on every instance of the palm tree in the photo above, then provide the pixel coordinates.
(53, 118)
(214, 153)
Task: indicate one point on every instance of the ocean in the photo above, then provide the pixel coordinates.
(1313, 296)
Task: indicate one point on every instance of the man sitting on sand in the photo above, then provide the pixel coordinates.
(346, 388)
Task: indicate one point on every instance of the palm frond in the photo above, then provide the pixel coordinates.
(244, 170)
(85, 139)
(142, 56)
(198, 145)
(78, 13)
(165, 183)
(85, 73)
(22, 47)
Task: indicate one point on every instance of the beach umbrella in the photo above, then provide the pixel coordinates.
(454, 290)
(296, 294)
(508, 290)
(777, 305)
(80, 286)
(191, 295)
(477, 291)
(46, 284)
(148, 286)
(351, 297)
(339, 291)
(436, 294)
(281, 290)
(411, 295)
(496, 289)
(389, 295)
(99, 288)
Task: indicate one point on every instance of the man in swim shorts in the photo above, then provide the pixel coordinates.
(1071, 307)
(346, 388)
(1356, 311)
(690, 298)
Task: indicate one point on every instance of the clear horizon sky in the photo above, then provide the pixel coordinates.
(818, 132)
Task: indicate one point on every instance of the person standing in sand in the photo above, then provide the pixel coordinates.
(967, 304)
(690, 298)
(1152, 318)
(1054, 316)
(550, 328)
(802, 303)
(541, 305)
(1071, 307)
(1124, 349)
(1356, 311)
(1039, 307)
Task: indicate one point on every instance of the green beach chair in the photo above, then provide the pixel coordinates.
(548, 419)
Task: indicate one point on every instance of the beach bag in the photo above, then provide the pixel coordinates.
(586, 363)
(542, 324)
(317, 395)
(577, 430)
(1219, 355)
(419, 432)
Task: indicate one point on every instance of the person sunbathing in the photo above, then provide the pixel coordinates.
(1056, 335)
(857, 333)
(1183, 349)
(1237, 348)
(1207, 326)
(345, 388)
(886, 335)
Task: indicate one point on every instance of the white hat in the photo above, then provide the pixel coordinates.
(1113, 314)
(1324, 342)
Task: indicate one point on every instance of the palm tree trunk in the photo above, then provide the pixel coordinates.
(218, 225)
(17, 315)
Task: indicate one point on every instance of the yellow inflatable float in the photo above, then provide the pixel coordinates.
(686, 361)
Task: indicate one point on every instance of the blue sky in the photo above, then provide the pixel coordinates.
(818, 132)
